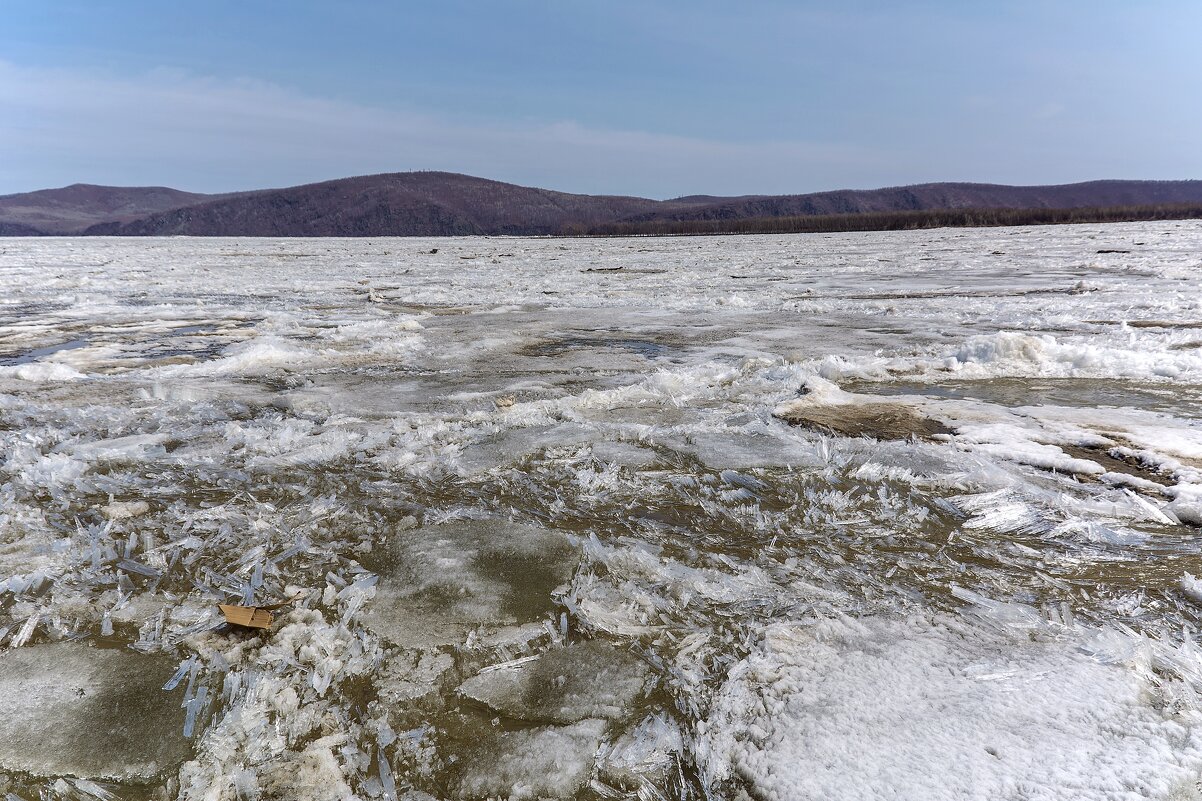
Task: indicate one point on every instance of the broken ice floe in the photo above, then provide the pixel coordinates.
(562, 685)
(553, 710)
(70, 710)
(648, 754)
(442, 581)
(937, 710)
(547, 762)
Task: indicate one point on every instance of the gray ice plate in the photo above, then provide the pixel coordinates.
(547, 762)
(564, 685)
(70, 710)
(440, 582)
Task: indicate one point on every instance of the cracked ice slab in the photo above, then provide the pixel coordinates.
(70, 710)
(564, 685)
(547, 762)
(934, 710)
(440, 582)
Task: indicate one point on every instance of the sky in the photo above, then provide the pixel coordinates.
(658, 99)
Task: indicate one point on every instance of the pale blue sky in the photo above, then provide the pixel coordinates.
(659, 99)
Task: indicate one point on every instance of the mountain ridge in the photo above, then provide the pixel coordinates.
(431, 203)
(72, 208)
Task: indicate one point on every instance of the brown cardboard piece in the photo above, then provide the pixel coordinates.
(252, 617)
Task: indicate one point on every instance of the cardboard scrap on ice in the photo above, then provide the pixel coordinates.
(252, 617)
(249, 616)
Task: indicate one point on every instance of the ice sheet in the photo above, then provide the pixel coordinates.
(69, 710)
(462, 463)
(932, 709)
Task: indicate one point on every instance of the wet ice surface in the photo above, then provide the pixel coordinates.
(69, 710)
(442, 582)
(901, 515)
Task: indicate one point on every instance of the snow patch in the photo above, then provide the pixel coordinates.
(43, 372)
(934, 709)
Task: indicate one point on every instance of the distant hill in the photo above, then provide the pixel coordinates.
(18, 229)
(73, 208)
(395, 204)
(439, 203)
(925, 197)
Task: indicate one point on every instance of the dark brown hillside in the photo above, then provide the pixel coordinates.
(440, 203)
(17, 229)
(396, 204)
(923, 197)
(73, 208)
(904, 220)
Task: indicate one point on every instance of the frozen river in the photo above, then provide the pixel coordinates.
(861, 516)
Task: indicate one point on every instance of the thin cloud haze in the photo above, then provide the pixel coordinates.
(658, 100)
(246, 134)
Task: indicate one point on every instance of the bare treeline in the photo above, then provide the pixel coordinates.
(893, 221)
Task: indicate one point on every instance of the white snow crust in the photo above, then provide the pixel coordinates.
(933, 709)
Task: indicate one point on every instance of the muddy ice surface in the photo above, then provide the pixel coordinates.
(532, 763)
(898, 516)
(440, 583)
(91, 713)
(563, 685)
(557, 708)
(876, 420)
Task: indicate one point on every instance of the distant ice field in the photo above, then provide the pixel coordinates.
(906, 515)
